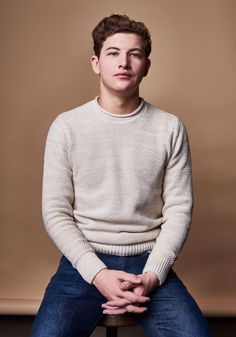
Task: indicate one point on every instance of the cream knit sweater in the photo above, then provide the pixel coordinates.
(117, 184)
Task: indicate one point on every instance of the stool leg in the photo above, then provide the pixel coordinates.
(111, 331)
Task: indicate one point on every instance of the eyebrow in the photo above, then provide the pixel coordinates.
(130, 50)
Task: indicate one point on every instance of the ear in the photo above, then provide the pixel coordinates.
(148, 64)
(95, 64)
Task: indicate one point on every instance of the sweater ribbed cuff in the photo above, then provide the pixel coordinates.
(160, 266)
(89, 265)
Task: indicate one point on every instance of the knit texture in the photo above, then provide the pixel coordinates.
(117, 184)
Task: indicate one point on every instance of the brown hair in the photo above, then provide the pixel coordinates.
(117, 24)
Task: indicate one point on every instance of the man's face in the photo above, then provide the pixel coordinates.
(122, 63)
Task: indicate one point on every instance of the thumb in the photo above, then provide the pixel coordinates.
(139, 290)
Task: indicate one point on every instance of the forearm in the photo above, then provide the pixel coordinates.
(71, 242)
(177, 210)
(57, 206)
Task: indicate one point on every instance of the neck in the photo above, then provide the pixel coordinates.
(119, 104)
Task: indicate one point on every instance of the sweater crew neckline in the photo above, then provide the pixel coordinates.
(119, 117)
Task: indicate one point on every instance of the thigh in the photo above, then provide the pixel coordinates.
(70, 307)
(172, 312)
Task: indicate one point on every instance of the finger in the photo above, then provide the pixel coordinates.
(135, 298)
(135, 309)
(107, 307)
(114, 311)
(132, 296)
(139, 290)
(130, 277)
(126, 285)
(117, 303)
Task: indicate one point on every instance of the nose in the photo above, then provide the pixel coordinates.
(124, 61)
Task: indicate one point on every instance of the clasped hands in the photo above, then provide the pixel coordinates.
(125, 292)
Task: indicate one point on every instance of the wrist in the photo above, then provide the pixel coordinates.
(152, 278)
(99, 275)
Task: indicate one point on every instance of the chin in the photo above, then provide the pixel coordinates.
(124, 88)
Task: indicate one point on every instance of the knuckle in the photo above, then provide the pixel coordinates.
(129, 308)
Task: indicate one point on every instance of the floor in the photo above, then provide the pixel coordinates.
(19, 326)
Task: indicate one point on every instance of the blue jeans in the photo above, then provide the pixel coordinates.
(72, 308)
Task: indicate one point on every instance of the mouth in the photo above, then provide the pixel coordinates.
(123, 75)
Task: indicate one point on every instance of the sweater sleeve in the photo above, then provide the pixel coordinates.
(177, 209)
(57, 205)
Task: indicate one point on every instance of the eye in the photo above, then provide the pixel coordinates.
(113, 53)
(136, 55)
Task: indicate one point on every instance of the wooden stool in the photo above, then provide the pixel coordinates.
(113, 322)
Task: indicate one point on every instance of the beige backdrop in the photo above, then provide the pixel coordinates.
(45, 70)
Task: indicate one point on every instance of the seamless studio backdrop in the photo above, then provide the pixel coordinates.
(45, 70)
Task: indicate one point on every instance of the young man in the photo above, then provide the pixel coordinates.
(117, 201)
